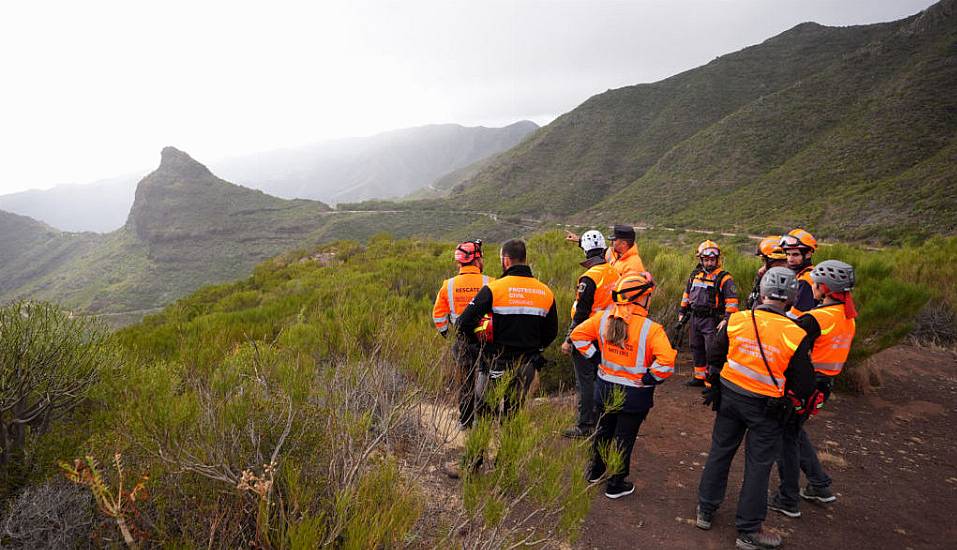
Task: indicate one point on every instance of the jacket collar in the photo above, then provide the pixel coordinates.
(593, 261)
(770, 309)
(630, 252)
(520, 270)
(469, 269)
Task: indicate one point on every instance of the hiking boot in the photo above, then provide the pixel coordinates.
(620, 489)
(820, 494)
(577, 433)
(695, 383)
(704, 519)
(758, 540)
(777, 504)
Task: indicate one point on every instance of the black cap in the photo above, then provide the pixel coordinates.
(626, 232)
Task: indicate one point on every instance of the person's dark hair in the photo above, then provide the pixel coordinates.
(514, 249)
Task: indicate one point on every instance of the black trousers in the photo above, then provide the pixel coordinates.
(740, 418)
(798, 455)
(622, 427)
(506, 388)
(585, 373)
(466, 361)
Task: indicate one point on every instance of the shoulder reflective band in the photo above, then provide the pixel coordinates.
(451, 292)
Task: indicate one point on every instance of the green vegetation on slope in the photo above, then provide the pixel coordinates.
(299, 405)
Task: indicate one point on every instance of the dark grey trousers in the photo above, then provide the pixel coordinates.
(585, 373)
(702, 338)
(798, 454)
(741, 418)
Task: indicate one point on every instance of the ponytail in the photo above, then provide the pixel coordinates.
(616, 331)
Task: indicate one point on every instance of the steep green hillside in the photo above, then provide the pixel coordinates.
(30, 249)
(857, 124)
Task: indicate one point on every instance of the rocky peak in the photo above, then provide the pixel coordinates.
(174, 161)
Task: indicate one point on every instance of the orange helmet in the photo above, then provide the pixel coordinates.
(633, 287)
(770, 248)
(708, 248)
(798, 238)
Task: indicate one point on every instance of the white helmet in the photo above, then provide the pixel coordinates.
(591, 240)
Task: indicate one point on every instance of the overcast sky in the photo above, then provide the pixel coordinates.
(95, 89)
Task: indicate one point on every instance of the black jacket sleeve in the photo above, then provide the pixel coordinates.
(549, 326)
(586, 298)
(477, 308)
(800, 372)
(804, 300)
(718, 353)
(811, 327)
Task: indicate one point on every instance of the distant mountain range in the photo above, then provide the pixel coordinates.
(383, 166)
(849, 131)
(187, 228)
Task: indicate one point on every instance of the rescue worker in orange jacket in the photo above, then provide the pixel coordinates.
(525, 322)
(799, 246)
(710, 297)
(772, 255)
(593, 295)
(623, 252)
(759, 369)
(635, 356)
(450, 302)
(831, 328)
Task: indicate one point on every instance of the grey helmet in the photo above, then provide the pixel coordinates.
(779, 284)
(835, 274)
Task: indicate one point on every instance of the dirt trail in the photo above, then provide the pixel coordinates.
(892, 453)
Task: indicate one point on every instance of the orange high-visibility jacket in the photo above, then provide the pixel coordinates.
(646, 350)
(605, 277)
(628, 263)
(745, 368)
(455, 295)
(832, 347)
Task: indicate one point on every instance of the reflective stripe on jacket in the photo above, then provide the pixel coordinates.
(628, 263)
(832, 347)
(455, 295)
(745, 367)
(605, 277)
(645, 351)
(704, 290)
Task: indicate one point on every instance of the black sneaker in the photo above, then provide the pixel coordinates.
(704, 519)
(820, 494)
(695, 383)
(790, 510)
(619, 490)
(757, 541)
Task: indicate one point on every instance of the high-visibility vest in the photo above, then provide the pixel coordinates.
(605, 277)
(628, 263)
(455, 295)
(645, 350)
(832, 347)
(745, 367)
